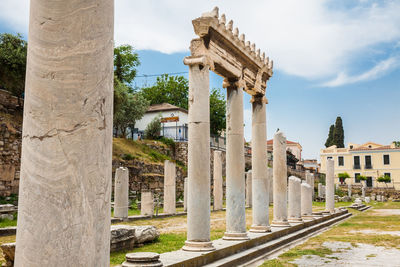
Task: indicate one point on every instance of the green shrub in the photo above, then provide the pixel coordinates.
(153, 129)
(168, 141)
(127, 157)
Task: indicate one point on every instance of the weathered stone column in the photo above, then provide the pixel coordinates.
(259, 166)
(280, 181)
(147, 203)
(249, 189)
(320, 193)
(198, 217)
(65, 187)
(349, 190)
(121, 193)
(235, 182)
(169, 187)
(185, 189)
(363, 192)
(270, 178)
(330, 187)
(306, 201)
(294, 212)
(218, 182)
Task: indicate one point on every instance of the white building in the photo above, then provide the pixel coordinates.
(174, 120)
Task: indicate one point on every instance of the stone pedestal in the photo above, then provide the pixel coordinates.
(169, 187)
(142, 259)
(294, 211)
(121, 193)
(330, 187)
(306, 201)
(349, 190)
(185, 189)
(218, 182)
(147, 203)
(260, 183)
(249, 189)
(235, 182)
(198, 216)
(280, 181)
(65, 186)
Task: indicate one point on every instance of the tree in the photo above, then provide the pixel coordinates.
(175, 90)
(329, 141)
(13, 50)
(343, 176)
(396, 143)
(125, 63)
(129, 107)
(384, 179)
(338, 133)
(153, 129)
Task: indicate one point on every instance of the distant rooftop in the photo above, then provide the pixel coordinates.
(164, 107)
(271, 141)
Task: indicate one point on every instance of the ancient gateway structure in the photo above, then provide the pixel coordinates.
(221, 49)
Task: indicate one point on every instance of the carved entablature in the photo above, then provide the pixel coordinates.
(230, 56)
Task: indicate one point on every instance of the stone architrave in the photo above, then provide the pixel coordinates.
(169, 187)
(260, 196)
(185, 181)
(249, 188)
(306, 201)
(349, 190)
(235, 181)
(147, 203)
(330, 187)
(121, 193)
(280, 181)
(270, 176)
(320, 194)
(218, 182)
(198, 216)
(294, 197)
(65, 187)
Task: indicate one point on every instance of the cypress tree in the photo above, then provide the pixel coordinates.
(329, 141)
(338, 134)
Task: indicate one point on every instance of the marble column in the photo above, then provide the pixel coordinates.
(270, 178)
(259, 161)
(249, 188)
(121, 193)
(294, 211)
(185, 188)
(198, 216)
(320, 193)
(169, 187)
(363, 192)
(65, 186)
(280, 181)
(147, 203)
(218, 191)
(330, 187)
(310, 180)
(235, 182)
(306, 201)
(349, 190)
(324, 191)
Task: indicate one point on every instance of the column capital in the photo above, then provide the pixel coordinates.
(199, 60)
(259, 98)
(239, 83)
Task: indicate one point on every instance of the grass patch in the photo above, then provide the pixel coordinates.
(371, 255)
(276, 263)
(298, 252)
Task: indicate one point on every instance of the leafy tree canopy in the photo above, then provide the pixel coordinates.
(329, 141)
(344, 175)
(13, 51)
(384, 179)
(125, 63)
(396, 143)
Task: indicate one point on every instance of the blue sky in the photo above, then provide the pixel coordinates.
(331, 58)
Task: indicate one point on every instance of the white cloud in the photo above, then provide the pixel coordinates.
(376, 72)
(308, 38)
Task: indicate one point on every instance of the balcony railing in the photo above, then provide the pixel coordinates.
(357, 167)
(368, 166)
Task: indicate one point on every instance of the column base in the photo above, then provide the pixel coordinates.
(235, 236)
(198, 246)
(295, 220)
(280, 224)
(260, 229)
(327, 212)
(308, 217)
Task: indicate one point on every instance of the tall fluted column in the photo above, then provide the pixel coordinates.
(280, 181)
(235, 182)
(249, 189)
(65, 187)
(259, 163)
(218, 182)
(121, 193)
(198, 203)
(294, 200)
(330, 187)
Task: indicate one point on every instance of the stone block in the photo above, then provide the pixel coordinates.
(7, 172)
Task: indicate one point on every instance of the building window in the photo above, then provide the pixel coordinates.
(388, 174)
(357, 162)
(356, 177)
(368, 162)
(386, 159)
(341, 161)
(351, 147)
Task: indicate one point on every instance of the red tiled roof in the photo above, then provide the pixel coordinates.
(164, 107)
(271, 141)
